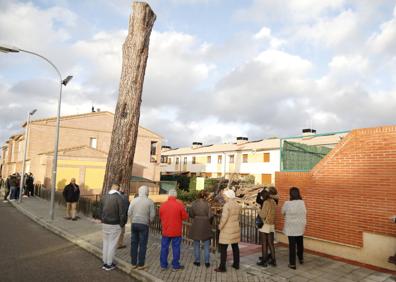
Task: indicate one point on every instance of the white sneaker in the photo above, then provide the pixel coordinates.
(109, 267)
(5, 201)
(12, 200)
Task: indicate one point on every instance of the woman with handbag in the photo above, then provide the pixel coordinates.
(295, 220)
(267, 214)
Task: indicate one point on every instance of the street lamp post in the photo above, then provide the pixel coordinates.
(12, 49)
(24, 154)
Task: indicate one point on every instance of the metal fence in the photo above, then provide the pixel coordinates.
(249, 232)
(88, 204)
(301, 157)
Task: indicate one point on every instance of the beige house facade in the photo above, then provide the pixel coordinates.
(260, 159)
(83, 147)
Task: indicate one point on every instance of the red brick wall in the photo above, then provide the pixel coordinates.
(353, 189)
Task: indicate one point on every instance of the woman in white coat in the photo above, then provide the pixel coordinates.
(295, 220)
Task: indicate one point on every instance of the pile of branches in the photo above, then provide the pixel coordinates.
(246, 194)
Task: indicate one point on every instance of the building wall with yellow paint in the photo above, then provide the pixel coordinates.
(89, 174)
(255, 164)
(94, 178)
(64, 174)
(76, 157)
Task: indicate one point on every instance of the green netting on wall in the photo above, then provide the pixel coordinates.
(301, 157)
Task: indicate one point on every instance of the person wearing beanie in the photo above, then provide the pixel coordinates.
(142, 212)
(172, 213)
(230, 231)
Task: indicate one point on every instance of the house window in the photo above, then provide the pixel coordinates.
(266, 157)
(177, 161)
(153, 148)
(193, 160)
(93, 142)
(193, 174)
(164, 159)
(153, 151)
(169, 160)
(231, 159)
(219, 159)
(208, 174)
(185, 160)
(266, 179)
(209, 159)
(245, 158)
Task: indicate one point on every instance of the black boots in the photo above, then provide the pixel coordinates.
(265, 263)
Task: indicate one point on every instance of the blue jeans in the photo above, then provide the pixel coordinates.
(197, 250)
(165, 241)
(13, 193)
(139, 238)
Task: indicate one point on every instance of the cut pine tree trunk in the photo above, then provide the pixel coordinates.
(126, 119)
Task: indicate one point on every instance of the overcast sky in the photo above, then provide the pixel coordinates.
(217, 69)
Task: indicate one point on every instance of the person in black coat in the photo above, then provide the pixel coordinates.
(125, 201)
(30, 184)
(71, 194)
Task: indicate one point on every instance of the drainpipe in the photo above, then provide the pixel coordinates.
(281, 155)
(225, 164)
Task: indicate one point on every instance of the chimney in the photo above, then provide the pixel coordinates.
(165, 148)
(308, 132)
(241, 140)
(196, 145)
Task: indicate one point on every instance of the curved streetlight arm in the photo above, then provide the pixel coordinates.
(44, 58)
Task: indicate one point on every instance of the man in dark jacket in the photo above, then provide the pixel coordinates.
(125, 200)
(114, 218)
(30, 184)
(71, 193)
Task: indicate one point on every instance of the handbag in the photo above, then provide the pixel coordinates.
(259, 222)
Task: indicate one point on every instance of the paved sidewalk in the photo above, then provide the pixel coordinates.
(86, 232)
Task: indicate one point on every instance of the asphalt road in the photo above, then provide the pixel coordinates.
(29, 252)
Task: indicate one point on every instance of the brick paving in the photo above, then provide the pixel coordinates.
(315, 268)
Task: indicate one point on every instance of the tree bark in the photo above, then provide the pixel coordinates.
(126, 119)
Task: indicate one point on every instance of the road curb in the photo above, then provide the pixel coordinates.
(121, 264)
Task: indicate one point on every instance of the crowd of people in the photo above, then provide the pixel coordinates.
(12, 186)
(115, 211)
